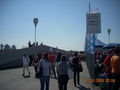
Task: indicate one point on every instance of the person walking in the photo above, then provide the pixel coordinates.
(26, 62)
(52, 59)
(77, 68)
(63, 73)
(35, 64)
(58, 59)
(45, 66)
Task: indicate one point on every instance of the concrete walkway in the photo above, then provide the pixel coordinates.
(12, 80)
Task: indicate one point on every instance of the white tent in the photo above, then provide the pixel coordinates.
(99, 43)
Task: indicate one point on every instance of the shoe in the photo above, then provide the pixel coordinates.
(23, 75)
(29, 73)
(75, 85)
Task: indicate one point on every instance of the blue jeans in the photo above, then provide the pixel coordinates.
(45, 82)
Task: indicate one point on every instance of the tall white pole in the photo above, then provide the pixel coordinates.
(35, 21)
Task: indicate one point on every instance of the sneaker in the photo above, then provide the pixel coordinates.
(23, 75)
(29, 73)
(74, 84)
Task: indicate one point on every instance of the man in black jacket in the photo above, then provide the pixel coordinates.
(76, 70)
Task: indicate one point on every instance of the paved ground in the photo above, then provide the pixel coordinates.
(12, 80)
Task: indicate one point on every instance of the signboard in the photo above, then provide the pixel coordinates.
(93, 23)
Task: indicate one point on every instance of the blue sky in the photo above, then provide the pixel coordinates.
(62, 23)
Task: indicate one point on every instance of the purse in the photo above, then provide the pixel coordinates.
(80, 68)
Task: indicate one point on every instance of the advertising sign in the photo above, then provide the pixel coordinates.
(93, 23)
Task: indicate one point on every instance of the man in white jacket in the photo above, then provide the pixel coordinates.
(26, 62)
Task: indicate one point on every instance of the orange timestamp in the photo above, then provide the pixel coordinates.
(100, 80)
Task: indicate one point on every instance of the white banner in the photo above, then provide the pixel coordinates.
(93, 23)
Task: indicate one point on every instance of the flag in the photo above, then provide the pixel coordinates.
(90, 42)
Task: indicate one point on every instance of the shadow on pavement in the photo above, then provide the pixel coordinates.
(83, 87)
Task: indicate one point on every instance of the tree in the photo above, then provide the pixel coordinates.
(13, 47)
(1, 46)
(7, 47)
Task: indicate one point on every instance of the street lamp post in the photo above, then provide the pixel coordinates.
(109, 31)
(35, 21)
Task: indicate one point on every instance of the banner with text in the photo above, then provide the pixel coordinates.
(93, 23)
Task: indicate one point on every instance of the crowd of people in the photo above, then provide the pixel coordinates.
(34, 44)
(107, 66)
(54, 65)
